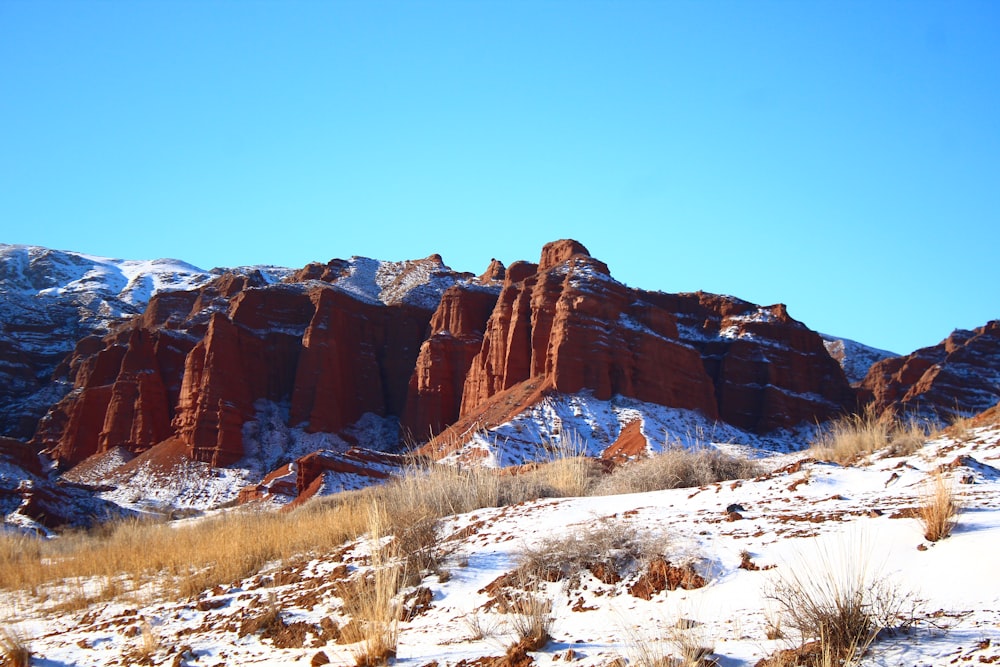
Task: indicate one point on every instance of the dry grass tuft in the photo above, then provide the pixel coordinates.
(676, 467)
(676, 647)
(960, 426)
(530, 620)
(479, 626)
(907, 438)
(371, 602)
(835, 599)
(150, 643)
(610, 548)
(564, 478)
(854, 437)
(939, 513)
(14, 651)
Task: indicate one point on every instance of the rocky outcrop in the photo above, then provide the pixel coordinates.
(568, 322)
(437, 382)
(336, 341)
(768, 369)
(305, 477)
(630, 444)
(960, 375)
(50, 299)
(30, 500)
(194, 364)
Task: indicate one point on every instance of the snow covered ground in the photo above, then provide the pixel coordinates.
(803, 517)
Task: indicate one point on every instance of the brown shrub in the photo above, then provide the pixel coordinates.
(939, 512)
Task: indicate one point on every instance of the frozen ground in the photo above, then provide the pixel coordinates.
(803, 517)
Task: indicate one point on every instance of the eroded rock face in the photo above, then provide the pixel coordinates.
(33, 500)
(569, 323)
(193, 365)
(436, 385)
(960, 375)
(351, 358)
(769, 370)
(411, 340)
(50, 299)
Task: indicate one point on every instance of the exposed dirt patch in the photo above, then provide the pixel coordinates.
(807, 655)
(416, 603)
(661, 576)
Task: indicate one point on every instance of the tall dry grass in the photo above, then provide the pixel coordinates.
(676, 467)
(838, 599)
(856, 436)
(186, 558)
(182, 559)
(14, 651)
(939, 512)
(371, 601)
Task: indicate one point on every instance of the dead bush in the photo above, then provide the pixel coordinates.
(530, 619)
(13, 649)
(939, 512)
(608, 550)
(837, 600)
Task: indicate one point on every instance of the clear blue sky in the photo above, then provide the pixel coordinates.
(840, 157)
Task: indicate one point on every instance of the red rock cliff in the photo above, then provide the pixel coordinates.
(192, 367)
(960, 374)
(437, 382)
(568, 322)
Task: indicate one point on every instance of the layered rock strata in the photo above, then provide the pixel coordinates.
(414, 341)
(958, 376)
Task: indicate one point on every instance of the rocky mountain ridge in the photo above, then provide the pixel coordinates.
(262, 367)
(195, 363)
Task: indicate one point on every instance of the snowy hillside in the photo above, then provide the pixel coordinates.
(102, 288)
(739, 544)
(417, 282)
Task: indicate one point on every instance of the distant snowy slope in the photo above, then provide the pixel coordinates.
(50, 299)
(854, 357)
(101, 288)
(416, 282)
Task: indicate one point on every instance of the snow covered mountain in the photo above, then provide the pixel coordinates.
(50, 300)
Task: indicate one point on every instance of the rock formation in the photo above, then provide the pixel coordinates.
(565, 325)
(49, 300)
(456, 336)
(958, 376)
(331, 356)
(415, 341)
